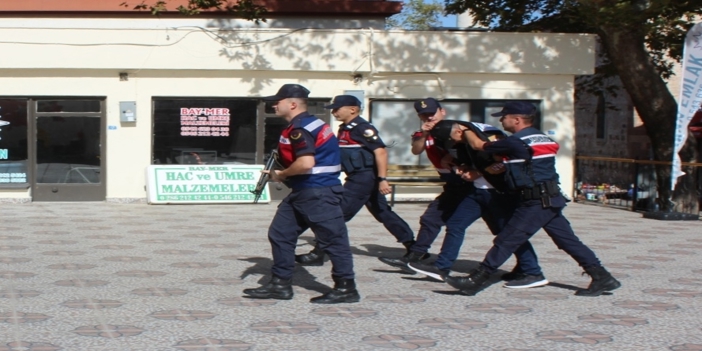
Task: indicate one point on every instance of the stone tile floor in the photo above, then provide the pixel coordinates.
(106, 276)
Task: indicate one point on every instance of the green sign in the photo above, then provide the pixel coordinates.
(169, 184)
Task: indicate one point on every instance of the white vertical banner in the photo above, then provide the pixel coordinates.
(690, 95)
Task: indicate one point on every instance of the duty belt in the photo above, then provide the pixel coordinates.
(547, 189)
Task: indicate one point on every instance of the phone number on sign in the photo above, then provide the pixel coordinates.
(205, 197)
(204, 131)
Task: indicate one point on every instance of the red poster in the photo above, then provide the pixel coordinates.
(209, 122)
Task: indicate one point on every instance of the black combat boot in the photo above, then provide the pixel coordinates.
(312, 258)
(344, 292)
(601, 281)
(401, 262)
(470, 284)
(277, 288)
(408, 244)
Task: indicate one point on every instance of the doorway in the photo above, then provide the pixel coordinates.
(67, 150)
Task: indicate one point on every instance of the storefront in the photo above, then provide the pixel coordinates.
(84, 112)
(54, 147)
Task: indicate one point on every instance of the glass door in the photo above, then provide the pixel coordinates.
(68, 151)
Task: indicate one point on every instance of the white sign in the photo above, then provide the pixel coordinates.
(690, 95)
(199, 184)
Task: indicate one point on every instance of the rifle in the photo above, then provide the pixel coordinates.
(263, 179)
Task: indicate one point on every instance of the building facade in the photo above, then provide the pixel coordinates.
(91, 99)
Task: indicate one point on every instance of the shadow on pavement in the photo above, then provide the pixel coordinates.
(373, 250)
(564, 286)
(301, 277)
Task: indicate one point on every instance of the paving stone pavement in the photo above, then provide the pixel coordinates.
(107, 276)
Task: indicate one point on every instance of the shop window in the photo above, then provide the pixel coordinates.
(13, 141)
(314, 107)
(397, 121)
(204, 131)
(68, 106)
(274, 125)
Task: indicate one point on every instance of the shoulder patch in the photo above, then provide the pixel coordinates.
(295, 135)
(370, 134)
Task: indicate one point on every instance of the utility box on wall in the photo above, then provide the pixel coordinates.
(127, 111)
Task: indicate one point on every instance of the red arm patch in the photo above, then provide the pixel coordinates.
(324, 135)
(545, 149)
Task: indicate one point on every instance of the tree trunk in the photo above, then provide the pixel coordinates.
(658, 110)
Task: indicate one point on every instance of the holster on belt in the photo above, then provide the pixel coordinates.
(542, 191)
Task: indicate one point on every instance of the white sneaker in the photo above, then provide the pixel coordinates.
(528, 281)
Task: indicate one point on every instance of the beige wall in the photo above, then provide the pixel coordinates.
(193, 62)
(187, 48)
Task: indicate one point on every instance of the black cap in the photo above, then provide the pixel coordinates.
(428, 105)
(289, 91)
(442, 129)
(343, 100)
(516, 108)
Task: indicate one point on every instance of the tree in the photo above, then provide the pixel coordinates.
(641, 40)
(246, 9)
(417, 15)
